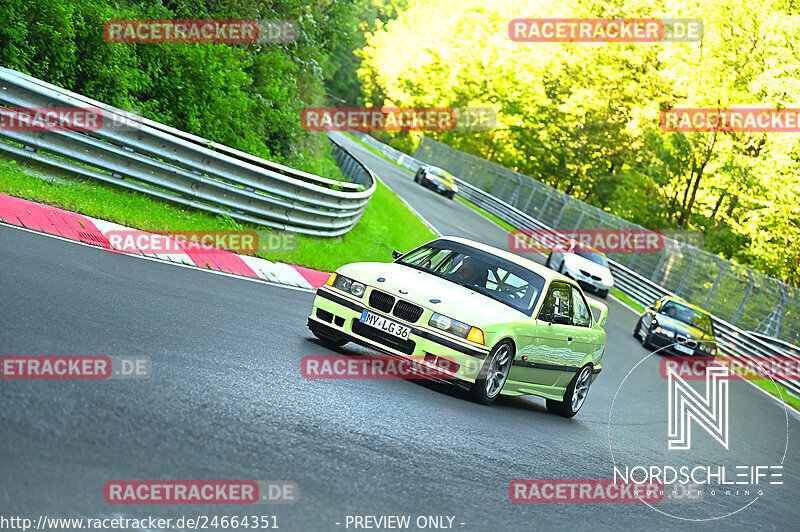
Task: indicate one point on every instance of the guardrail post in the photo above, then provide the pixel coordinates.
(659, 265)
(686, 274)
(530, 198)
(547, 200)
(561, 213)
(714, 287)
(580, 218)
(744, 298)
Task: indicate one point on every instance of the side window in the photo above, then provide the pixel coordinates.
(558, 301)
(581, 317)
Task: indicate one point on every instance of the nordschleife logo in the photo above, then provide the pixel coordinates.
(687, 404)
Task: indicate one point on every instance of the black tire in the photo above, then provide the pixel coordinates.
(644, 339)
(329, 339)
(646, 342)
(565, 407)
(479, 390)
(603, 294)
(451, 195)
(636, 329)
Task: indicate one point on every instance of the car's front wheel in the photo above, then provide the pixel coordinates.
(642, 333)
(493, 374)
(575, 395)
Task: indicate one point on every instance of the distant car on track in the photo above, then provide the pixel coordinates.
(582, 263)
(683, 328)
(487, 320)
(436, 179)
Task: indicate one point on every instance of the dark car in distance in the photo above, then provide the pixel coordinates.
(436, 179)
(679, 327)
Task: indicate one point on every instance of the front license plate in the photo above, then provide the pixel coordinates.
(684, 349)
(389, 326)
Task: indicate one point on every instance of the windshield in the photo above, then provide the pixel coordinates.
(590, 254)
(597, 258)
(487, 274)
(438, 172)
(688, 315)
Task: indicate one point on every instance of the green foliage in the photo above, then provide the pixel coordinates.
(245, 96)
(372, 239)
(584, 117)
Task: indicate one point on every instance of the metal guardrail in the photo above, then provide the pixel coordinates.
(742, 346)
(173, 165)
(733, 292)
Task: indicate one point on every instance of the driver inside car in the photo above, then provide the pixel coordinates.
(471, 272)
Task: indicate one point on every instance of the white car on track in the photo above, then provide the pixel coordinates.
(584, 264)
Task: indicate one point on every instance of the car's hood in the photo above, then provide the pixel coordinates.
(685, 329)
(441, 181)
(455, 301)
(576, 261)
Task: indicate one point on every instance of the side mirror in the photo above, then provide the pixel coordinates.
(561, 319)
(397, 254)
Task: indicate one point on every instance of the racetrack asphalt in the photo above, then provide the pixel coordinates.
(226, 401)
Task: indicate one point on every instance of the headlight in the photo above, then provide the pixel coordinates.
(455, 188)
(665, 332)
(346, 284)
(449, 324)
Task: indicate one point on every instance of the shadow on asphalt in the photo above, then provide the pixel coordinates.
(524, 403)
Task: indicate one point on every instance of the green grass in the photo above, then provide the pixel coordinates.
(769, 386)
(627, 300)
(505, 225)
(372, 239)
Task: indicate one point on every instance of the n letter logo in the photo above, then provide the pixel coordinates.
(685, 404)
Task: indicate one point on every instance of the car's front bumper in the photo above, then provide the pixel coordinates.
(667, 346)
(587, 283)
(425, 347)
(441, 188)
